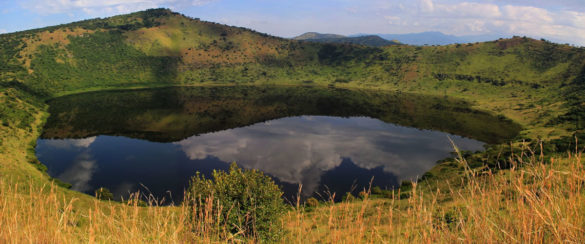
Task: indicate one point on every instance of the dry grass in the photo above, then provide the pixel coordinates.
(43, 215)
(542, 200)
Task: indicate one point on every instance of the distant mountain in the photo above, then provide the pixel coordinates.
(366, 40)
(315, 35)
(434, 38)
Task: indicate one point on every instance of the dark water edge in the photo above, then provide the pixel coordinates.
(329, 140)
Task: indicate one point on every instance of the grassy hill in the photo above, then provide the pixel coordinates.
(366, 40)
(315, 35)
(536, 83)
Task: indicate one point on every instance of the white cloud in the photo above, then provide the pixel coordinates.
(2, 31)
(427, 5)
(392, 19)
(201, 2)
(469, 10)
(563, 20)
(101, 7)
(571, 19)
(488, 17)
(525, 13)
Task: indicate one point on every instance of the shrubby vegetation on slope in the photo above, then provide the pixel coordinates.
(196, 110)
(160, 48)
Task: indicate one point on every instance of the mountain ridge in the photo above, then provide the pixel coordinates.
(365, 40)
(316, 35)
(435, 38)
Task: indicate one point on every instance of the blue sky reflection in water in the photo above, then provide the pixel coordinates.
(311, 150)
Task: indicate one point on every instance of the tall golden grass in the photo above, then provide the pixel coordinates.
(542, 200)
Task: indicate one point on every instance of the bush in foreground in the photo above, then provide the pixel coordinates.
(246, 202)
(103, 193)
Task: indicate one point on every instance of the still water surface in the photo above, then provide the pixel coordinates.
(326, 140)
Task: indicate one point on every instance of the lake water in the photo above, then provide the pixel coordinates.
(328, 140)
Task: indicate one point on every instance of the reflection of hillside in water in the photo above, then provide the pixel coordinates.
(174, 114)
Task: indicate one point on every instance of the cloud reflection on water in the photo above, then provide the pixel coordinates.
(82, 167)
(301, 149)
(70, 143)
(79, 174)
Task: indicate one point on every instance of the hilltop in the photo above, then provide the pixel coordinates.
(418, 39)
(366, 40)
(315, 35)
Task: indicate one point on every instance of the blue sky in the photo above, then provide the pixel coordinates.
(558, 20)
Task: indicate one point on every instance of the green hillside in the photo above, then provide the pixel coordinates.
(170, 114)
(315, 35)
(532, 81)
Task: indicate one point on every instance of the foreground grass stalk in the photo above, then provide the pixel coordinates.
(538, 201)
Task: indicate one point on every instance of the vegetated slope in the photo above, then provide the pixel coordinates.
(366, 40)
(155, 46)
(173, 114)
(315, 35)
(525, 79)
(371, 41)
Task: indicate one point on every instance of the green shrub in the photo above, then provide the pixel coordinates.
(246, 201)
(363, 194)
(426, 176)
(103, 193)
(60, 183)
(404, 195)
(312, 202)
(38, 165)
(405, 185)
(348, 197)
(376, 190)
(341, 80)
